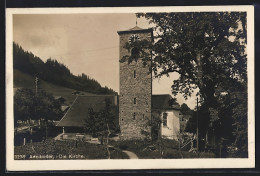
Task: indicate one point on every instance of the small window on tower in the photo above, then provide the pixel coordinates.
(134, 116)
(165, 119)
(135, 52)
(134, 74)
(134, 100)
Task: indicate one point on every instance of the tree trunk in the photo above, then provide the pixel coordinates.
(180, 148)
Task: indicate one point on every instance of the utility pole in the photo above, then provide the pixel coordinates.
(197, 124)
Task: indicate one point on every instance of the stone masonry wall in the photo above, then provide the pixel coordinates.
(130, 88)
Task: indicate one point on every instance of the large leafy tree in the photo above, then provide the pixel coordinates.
(207, 50)
(31, 106)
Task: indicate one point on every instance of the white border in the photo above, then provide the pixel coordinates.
(44, 165)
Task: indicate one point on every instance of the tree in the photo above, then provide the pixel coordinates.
(185, 109)
(207, 50)
(103, 123)
(31, 106)
(23, 105)
(234, 124)
(156, 125)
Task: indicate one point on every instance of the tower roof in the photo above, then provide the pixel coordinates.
(135, 29)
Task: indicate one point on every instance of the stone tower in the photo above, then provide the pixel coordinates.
(135, 88)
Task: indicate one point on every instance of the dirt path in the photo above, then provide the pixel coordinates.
(130, 154)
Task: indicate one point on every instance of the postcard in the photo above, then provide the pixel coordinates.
(120, 88)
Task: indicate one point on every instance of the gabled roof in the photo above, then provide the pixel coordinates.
(77, 113)
(162, 102)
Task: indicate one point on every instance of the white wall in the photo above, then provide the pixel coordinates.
(173, 124)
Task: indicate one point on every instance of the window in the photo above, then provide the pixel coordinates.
(143, 116)
(135, 53)
(134, 116)
(165, 119)
(134, 100)
(134, 74)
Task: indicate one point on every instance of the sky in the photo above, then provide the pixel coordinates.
(85, 43)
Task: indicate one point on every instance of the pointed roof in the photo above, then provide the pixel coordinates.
(135, 29)
(162, 102)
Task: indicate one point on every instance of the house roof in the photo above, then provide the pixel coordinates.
(162, 102)
(78, 111)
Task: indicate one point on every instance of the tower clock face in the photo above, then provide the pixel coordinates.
(133, 38)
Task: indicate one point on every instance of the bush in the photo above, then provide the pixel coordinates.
(171, 153)
(207, 155)
(123, 146)
(168, 143)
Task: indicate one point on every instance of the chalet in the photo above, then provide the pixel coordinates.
(74, 119)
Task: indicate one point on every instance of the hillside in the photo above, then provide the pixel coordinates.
(27, 81)
(54, 72)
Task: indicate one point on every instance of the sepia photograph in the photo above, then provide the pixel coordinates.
(130, 88)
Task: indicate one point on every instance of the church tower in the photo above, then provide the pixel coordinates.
(135, 88)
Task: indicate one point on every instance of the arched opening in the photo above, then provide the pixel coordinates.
(135, 52)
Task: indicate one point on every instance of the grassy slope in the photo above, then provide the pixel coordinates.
(24, 80)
